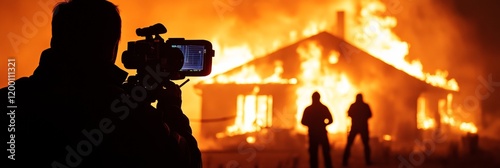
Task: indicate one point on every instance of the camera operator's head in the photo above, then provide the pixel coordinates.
(86, 31)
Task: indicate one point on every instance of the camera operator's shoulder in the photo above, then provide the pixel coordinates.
(15, 87)
(19, 83)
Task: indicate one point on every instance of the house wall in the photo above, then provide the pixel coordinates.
(219, 105)
(393, 113)
(218, 109)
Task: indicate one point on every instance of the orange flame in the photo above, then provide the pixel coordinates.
(336, 91)
(454, 119)
(424, 121)
(447, 115)
(387, 137)
(468, 127)
(253, 113)
(248, 75)
(374, 35)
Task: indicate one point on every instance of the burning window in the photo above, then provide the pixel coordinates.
(424, 121)
(253, 112)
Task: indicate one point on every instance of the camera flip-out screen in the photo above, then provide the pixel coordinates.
(193, 57)
(197, 56)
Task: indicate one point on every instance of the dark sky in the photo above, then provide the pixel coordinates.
(484, 18)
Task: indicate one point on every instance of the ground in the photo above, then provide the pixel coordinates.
(431, 154)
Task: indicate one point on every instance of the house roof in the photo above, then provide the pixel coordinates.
(361, 67)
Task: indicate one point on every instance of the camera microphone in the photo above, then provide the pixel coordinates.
(151, 30)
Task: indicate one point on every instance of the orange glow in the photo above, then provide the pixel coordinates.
(468, 127)
(449, 120)
(387, 137)
(374, 35)
(334, 57)
(336, 91)
(371, 31)
(248, 75)
(428, 123)
(253, 113)
(250, 139)
(314, 28)
(233, 56)
(447, 116)
(455, 120)
(423, 120)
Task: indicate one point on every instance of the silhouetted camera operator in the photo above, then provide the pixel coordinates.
(74, 111)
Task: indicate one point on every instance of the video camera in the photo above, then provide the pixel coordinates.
(177, 56)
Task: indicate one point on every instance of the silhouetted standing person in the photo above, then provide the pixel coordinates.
(316, 117)
(360, 113)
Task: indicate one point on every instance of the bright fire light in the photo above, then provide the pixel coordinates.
(251, 139)
(424, 121)
(447, 115)
(468, 127)
(253, 113)
(387, 137)
(248, 75)
(374, 35)
(336, 91)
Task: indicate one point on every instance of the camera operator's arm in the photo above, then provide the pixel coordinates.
(169, 103)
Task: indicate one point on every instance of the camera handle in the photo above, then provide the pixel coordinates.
(152, 92)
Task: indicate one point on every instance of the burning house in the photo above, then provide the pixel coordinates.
(272, 91)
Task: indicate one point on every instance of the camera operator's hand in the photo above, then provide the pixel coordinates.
(171, 95)
(169, 104)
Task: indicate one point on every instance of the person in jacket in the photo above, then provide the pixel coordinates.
(74, 111)
(359, 112)
(316, 117)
